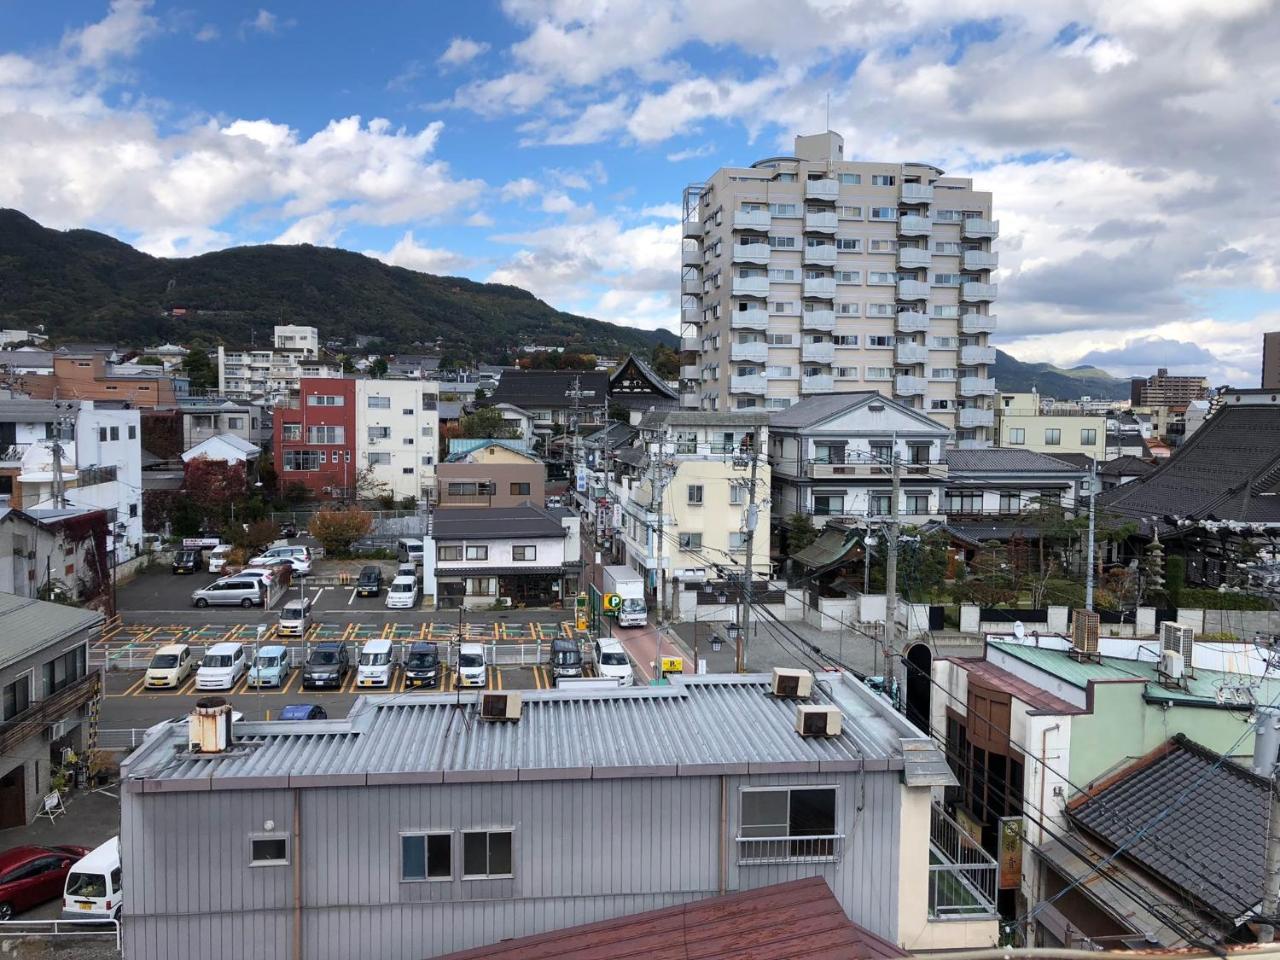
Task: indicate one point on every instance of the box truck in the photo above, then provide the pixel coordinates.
(629, 586)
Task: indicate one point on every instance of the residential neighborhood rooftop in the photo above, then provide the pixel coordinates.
(695, 726)
(474, 523)
(28, 625)
(1007, 459)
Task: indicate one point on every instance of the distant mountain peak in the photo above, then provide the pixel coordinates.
(1014, 376)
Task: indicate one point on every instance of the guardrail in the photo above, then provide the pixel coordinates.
(962, 875)
(125, 739)
(61, 928)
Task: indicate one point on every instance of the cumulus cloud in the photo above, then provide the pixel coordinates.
(461, 50)
(1147, 353)
(266, 22)
(407, 252)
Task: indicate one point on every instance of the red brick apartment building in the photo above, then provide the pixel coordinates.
(315, 438)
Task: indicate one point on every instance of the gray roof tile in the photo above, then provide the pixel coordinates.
(1007, 459)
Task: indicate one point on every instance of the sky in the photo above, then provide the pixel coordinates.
(1132, 148)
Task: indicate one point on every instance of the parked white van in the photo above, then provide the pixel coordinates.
(402, 594)
(612, 661)
(170, 666)
(95, 885)
(473, 671)
(375, 667)
(221, 667)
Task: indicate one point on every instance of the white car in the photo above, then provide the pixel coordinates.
(299, 558)
(222, 666)
(612, 661)
(217, 561)
(473, 671)
(403, 593)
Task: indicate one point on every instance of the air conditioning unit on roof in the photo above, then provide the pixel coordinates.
(500, 706)
(791, 683)
(818, 721)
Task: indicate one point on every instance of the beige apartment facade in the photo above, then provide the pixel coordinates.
(1023, 421)
(812, 274)
(398, 436)
(493, 475)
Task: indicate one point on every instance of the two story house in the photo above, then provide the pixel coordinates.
(480, 556)
(418, 825)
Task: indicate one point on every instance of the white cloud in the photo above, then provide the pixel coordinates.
(319, 229)
(461, 50)
(407, 252)
(266, 22)
(118, 34)
(692, 153)
(521, 188)
(479, 219)
(408, 76)
(207, 33)
(663, 211)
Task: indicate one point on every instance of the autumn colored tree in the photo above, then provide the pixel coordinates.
(257, 537)
(665, 362)
(214, 486)
(337, 530)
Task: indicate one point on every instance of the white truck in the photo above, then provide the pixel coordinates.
(629, 586)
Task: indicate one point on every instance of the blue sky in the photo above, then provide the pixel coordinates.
(545, 142)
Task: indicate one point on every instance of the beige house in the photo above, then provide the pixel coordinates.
(491, 473)
(1023, 421)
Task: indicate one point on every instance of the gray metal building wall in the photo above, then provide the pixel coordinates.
(584, 850)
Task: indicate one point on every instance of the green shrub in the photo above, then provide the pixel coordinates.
(1199, 598)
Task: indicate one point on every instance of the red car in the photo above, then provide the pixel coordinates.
(30, 876)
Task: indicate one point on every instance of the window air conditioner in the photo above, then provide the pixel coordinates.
(500, 706)
(818, 721)
(792, 683)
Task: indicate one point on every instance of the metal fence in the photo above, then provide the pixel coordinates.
(45, 929)
(962, 875)
(813, 849)
(124, 739)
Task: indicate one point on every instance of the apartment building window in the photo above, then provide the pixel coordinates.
(786, 178)
(783, 306)
(407, 471)
(379, 403)
(1017, 436)
(477, 553)
(881, 451)
(948, 215)
(851, 178)
(378, 433)
(969, 502)
(1010, 501)
(884, 246)
(917, 504)
(525, 553)
(880, 310)
(947, 247)
(787, 823)
(114, 433)
(780, 273)
(520, 489)
(845, 340)
(63, 671)
(428, 460)
(690, 541)
(879, 373)
(849, 276)
(324, 457)
(846, 373)
(828, 504)
(695, 495)
(379, 459)
(942, 373)
(849, 244)
(321, 400)
(302, 460)
(777, 403)
(133, 433)
(884, 213)
(775, 339)
(946, 279)
(881, 278)
(783, 243)
(1088, 436)
(737, 540)
(1052, 437)
(17, 696)
(883, 180)
(426, 856)
(778, 372)
(737, 496)
(881, 340)
(939, 404)
(448, 553)
(407, 441)
(849, 211)
(235, 423)
(943, 343)
(918, 452)
(784, 209)
(486, 853)
(102, 431)
(326, 434)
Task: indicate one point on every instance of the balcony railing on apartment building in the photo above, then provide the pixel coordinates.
(14, 452)
(962, 875)
(49, 710)
(865, 465)
(816, 849)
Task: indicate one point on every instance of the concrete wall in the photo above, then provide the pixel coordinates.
(193, 894)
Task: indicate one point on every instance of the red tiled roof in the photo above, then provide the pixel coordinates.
(800, 920)
(989, 675)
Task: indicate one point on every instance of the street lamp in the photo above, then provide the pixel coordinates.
(734, 632)
(868, 542)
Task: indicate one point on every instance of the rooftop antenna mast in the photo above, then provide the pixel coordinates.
(828, 111)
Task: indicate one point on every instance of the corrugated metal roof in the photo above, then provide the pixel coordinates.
(28, 625)
(694, 726)
(784, 921)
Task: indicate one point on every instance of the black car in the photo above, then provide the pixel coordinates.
(327, 666)
(370, 582)
(288, 529)
(188, 561)
(422, 665)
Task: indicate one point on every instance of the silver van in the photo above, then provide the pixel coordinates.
(230, 592)
(409, 550)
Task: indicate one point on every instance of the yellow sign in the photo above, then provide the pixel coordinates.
(672, 665)
(582, 620)
(611, 602)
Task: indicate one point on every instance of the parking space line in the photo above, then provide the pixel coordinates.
(133, 688)
(352, 598)
(497, 678)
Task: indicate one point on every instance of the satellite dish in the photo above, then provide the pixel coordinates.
(1019, 630)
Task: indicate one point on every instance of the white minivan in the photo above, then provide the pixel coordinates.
(612, 661)
(403, 593)
(222, 666)
(375, 664)
(95, 885)
(473, 671)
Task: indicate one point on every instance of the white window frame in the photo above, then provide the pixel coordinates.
(487, 831)
(270, 835)
(426, 861)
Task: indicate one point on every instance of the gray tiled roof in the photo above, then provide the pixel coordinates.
(1229, 468)
(28, 625)
(1204, 821)
(474, 523)
(813, 410)
(1126, 466)
(549, 389)
(658, 419)
(696, 726)
(1007, 460)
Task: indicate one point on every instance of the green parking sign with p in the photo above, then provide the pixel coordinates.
(611, 603)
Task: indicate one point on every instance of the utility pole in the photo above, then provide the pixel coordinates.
(657, 486)
(749, 523)
(1265, 746)
(1088, 582)
(59, 485)
(891, 557)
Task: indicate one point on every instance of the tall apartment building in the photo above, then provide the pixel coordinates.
(811, 274)
(271, 375)
(398, 436)
(1271, 360)
(1162, 389)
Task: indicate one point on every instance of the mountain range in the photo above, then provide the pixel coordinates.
(86, 286)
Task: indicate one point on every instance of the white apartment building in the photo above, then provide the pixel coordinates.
(398, 435)
(813, 274)
(270, 375)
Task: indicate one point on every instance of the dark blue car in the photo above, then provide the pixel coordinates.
(303, 711)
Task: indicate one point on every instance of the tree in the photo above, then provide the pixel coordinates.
(213, 486)
(487, 423)
(800, 532)
(991, 581)
(150, 362)
(338, 529)
(378, 368)
(369, 487)
(259, 535)
(295, 492)
(201, 370)
(665, 362)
